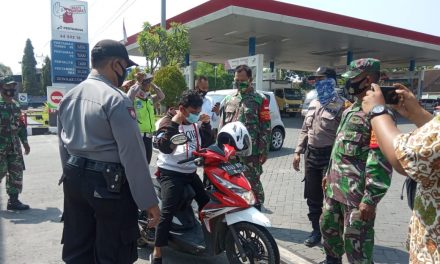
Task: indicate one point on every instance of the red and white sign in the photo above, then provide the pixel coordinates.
(54, 96)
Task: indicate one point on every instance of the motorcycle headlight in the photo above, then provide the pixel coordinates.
(246, 195)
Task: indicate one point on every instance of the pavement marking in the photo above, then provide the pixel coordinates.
(288, 257)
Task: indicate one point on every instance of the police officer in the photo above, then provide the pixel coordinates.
(144, 103)
(315, 142)
(252, 109)
(357, 178)
(106, 177)
(12, 131)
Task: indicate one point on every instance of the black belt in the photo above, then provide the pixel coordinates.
(89, 164)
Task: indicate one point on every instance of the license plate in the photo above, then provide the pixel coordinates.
(232, 169)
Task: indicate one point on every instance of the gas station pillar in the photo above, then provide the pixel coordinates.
(252, 46)
(349, 57)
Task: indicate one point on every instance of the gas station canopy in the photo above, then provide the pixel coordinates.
(296, 37)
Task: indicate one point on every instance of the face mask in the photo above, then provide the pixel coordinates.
(192, 118)
(9, 92)
(242, 86)
(354, 88)
(326, 90)
(203, 93)
(121, 78)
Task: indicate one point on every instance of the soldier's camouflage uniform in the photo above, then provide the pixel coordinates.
(12, 131)
(252, 109)
(358, 172)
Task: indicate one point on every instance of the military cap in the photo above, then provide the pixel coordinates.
(362, 65)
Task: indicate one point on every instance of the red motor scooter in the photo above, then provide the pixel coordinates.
(229, 222)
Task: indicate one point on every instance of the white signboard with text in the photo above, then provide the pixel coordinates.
(69, 20)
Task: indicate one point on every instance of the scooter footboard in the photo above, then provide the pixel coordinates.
(250, 215)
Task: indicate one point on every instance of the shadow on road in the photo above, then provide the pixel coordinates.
(280, 153)
(32, 216)
(400, 256)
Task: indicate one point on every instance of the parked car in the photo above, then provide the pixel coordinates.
(278, 130)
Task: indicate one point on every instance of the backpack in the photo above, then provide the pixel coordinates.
(411, 186)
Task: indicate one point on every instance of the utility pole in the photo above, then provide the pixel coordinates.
(163, 24)
(163, 20)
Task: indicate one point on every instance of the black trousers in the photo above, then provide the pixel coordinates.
(99, 226)
(172, 186)
(148, 143)
(316, 162)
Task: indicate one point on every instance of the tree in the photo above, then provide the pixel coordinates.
(5, 70)
(29, 72)
(161, 47)
(218, 77)
(46, 78)
(172, 82)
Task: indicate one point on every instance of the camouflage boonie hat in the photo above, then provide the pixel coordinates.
(7, 80)
(362, 65)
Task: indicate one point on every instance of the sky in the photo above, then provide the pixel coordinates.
(23, 19)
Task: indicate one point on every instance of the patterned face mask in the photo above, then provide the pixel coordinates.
(326, 90)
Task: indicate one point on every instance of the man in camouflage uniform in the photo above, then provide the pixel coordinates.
(252, 109)
(357, 178)
(12, 131)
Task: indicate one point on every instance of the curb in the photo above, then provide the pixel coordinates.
(34, 131)
(287, 257)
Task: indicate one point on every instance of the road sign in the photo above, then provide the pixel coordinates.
(23, 98)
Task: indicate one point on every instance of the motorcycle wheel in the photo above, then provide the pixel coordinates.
(258, 244)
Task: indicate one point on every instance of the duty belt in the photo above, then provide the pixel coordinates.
(89, 164)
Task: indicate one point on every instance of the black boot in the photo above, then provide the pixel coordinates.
(331, 260)
(314, 239)
(15, 204)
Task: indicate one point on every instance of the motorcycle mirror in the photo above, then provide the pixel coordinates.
(179, 139)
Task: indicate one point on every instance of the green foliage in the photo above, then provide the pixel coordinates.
(218, 77)
(170, 79)
(29, 72)
(46, 79)
(5, 70)
(161, 47)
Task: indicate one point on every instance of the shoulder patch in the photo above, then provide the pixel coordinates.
(373, 141)
(131, 112)
(265, 111)
(347, 104)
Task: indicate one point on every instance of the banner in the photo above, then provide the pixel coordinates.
(69, 21)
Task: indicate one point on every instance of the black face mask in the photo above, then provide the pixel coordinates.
(121, 78)
(203, 93)
(354, 88)
(9, 92)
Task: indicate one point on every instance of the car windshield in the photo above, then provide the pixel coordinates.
(293, 94)
(311, 95)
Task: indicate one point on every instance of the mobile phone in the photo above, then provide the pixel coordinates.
(390, 95)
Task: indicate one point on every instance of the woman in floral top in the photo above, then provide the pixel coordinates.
(416, 155)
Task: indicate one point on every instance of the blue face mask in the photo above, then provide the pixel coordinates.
(326, 90)
(192, 118)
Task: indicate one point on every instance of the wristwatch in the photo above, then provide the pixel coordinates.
(378, 110)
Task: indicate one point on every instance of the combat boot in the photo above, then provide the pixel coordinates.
(314, 239)
(15, 204)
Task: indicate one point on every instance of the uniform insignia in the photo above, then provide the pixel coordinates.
(131, 112)
(264, 111)
(373, 141)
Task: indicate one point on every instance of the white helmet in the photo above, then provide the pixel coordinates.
(236, 135)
